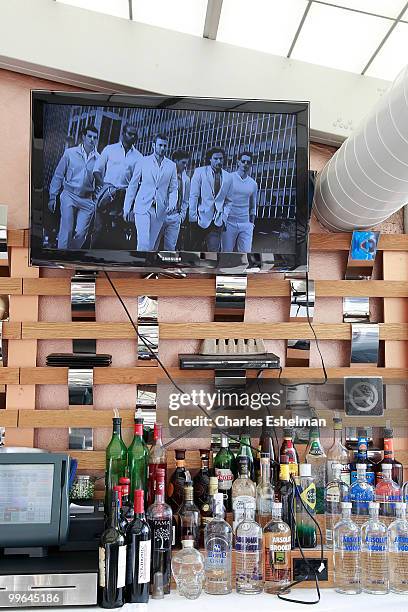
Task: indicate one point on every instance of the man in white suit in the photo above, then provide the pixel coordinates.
(151, 194)
(210, 201)
(173, 222)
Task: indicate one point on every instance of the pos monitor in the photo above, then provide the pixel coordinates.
(34, 499)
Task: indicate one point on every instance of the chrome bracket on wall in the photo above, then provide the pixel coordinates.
(80, 386)
(365, 343)
(148, 324)
(83, 298)
(146, 403)
(80, 438)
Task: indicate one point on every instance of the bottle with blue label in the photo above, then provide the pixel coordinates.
(362, 457)
(398, 550)
(361, 493)
(374, 554)
(218, 547)
(346, 557)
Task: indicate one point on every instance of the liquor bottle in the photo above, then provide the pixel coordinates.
(115, 463)
(159, 517)
(138, 554)
(285, 494)
(243, 493)
(374, 554)
(189, 518)
(218, 547)
(265, 494)
(338, 453)
(289, 451)
(305, 526)
(112, 560)
(138, 459)
(336, 492)
(157, 461)
(175, 488)
(362, 457)
(346, 553)
(224, 465)
(398, 550)
(206, 510)
(277, 546)
(187, 566)
(267, 445)
(361, 493)
(316, 456)
(127, 506)
(397, 468)
(245, 450)
(387, 492)
(202, 479)
(123, 524)
(248, 555)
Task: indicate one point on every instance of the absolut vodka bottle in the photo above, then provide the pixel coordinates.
(398, 550)
(346, 549)
(374, 554)
(248, 555)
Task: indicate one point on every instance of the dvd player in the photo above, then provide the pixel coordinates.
(256, 361)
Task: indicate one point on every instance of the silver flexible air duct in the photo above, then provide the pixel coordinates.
(366, 180)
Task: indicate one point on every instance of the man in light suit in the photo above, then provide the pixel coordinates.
(210, 202)
(174, 220)
(151, 194)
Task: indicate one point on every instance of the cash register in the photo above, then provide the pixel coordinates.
(48, 557)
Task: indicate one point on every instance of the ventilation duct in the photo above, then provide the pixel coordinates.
(366, 180)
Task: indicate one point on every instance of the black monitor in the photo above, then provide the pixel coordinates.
(33, 499)
(156, 183)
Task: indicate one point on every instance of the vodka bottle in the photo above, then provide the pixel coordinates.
(189, 518)
(374, 554)
(264, 492)
(346, 557)
(361, 494)
(187, 566)
(305, 526)
(316, 456)
(218, 546)
(387, 493)
(243, 493)
(336, 492)
(248, 555)
(362, 457)
(398, 550)
(277, 546)
(338, 453)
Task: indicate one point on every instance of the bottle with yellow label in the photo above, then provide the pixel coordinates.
(306, 493)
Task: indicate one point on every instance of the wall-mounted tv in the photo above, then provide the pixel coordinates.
(155, 183)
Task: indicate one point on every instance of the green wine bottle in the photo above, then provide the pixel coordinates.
(115, 463)
(224, 467)
(138, 459)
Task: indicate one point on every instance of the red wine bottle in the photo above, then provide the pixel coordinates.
(112, 561)
(159, 516)
(138, 554)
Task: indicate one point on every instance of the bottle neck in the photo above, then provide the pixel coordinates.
(157, 435)
(388, 448)
(243, 473)
(373, 512)
(159, 497)
(265, 472)
(205, 464)
(276, 514)
(115, 513)
(361, 476)
(138, 430)
(117, 430)
(346, 513)
(401, 513)
(139, 505)
(337, 435)
(362, 448)
(287, 443)
(224, 442)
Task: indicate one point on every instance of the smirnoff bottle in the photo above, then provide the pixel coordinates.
(159, 517)
(277, 546)
(224, 468)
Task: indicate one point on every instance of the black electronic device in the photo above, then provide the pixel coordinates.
(265, 361)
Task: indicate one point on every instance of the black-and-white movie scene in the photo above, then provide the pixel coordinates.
(168, 180)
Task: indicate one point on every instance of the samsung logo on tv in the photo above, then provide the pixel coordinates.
(169, 258)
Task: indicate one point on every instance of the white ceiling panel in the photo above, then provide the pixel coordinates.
(387, 8)
(392, 57)
(187, 16)
(263, 25)
(339, 39)
(116, 8)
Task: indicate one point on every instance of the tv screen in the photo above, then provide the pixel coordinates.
(153, 183)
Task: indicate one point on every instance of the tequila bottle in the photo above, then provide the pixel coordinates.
(338, 453)
(361, 494)
(218, 547)
(336, 492)
(243, 493)
(248, 555)
(374, 554)
(398, 550)
(387, 493)
(264, 492)
(346, 557)
(277, 546)
(316, 456)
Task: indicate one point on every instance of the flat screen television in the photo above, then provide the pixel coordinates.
(155, 183)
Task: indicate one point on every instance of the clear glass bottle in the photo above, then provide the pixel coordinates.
(398, 550)
(336, 492)
(361, 493)
(157, 461)
(159, 517)
(187, 566)
(305, 526)
(218, 547)
(206, 510)
(277, 546)
(243, 493)
(374, 554)
(346, 553)
(264, 492)
(248, 555)
(387, 493)
(189, 518)
(245, 450)
(338, 453)
(316, 456)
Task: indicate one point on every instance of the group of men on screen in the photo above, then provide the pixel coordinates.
(107, 192)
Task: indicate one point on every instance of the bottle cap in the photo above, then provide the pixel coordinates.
(124, 480)
(305, 469)
(157, 431)
(287, 432)
(139, 501)
(337, 423)
(373, 505)
(224, 440)
(346, 505)
(361, 467)
(362, 432)
(158, 591)
(117, 420)
(138, 421)
(388, 432)
(187, 543)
